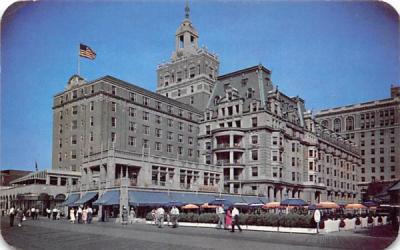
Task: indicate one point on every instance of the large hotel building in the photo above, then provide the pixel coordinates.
(375, 128)
(201, 132)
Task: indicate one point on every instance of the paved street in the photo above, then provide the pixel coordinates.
(48, 234)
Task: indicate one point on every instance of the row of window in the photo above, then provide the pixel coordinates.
(374, 178)
(382, 169)
(381, 141)
(381, 150)
(381, 159)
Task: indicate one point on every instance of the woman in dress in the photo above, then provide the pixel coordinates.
(72, 215)
(228, 219)
(84, 215)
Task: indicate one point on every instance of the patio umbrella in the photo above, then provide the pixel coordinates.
(190, 206)
(327, 204)
(355, 206)
(293, 202)
(274, 204)
(206, 205)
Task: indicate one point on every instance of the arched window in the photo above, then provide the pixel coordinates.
(324, 123)
(250, 92)
(350, 123)
(337, 126)
(216, 100)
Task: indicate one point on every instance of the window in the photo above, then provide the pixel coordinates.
(145, 116)
(254, 171)
(382, 169)
(113, 90)
(75, 110)
(113, 122)
(337, 127)
(170, 123)
(132, 112)
(190, 140)
(145, 101)
(180, 112)
(190, 152)
(372, 169)
(158, 119)
(132, 96)
(180, 138)
(180, 150)
(157, 146)
(146, 130)
(254, 139)
(158, 105)
(113, 106)
(293, 162)
(169, 148)
(190, 128)
(208, 145)
(392, 168)
(131, 141)
(74, 124)
(180, 125)
(132, 126)
(254, 155)
(91, 122)
(91, 136)
(145, 144)
(113, 136)
(158, 133)
(170, 135)
(208, 129)
(349, 123)
(382, 159)
(73, 139)
(274, 140)
(254, 122)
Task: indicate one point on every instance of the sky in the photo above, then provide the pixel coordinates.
(329, 53)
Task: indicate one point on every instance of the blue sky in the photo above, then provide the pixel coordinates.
(328, 53)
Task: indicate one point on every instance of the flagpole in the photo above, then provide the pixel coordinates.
(79, 60)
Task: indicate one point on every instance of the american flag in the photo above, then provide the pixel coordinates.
(87, 52)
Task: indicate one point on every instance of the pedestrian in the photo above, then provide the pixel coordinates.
(33, 213)
(228, 219)
(54, 213)
(11, 213)
(174, 213)
(124, 216)
(20, 216)
(36, 213)
(58, 214)
(221, 216)
(48, 211)
(153, 215)
(84, 215)
(79, 212)
(72, 215)
(235, 220)
(160, 213)
(132, 216)
(89, 215)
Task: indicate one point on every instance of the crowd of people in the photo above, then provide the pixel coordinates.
(84, 215)
(228, 219)
(19, 214)
(159, 215)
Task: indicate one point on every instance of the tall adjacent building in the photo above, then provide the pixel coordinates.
(375, 127)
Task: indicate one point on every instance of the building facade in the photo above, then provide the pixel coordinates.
(267, 144)
(375, 128)
(235, 134)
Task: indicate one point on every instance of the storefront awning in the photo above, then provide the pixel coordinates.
(70, 200)
(253, 200)
(85, 198)
(142, 198)
(191, 198)
(108, 198)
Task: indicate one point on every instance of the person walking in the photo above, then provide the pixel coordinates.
(221, 216)
(33, 210)
(235, 220)
(79, 212)
(11, 213)
(36, 213)
(174, 213)
(20, 216)
(84, 215)
(160, 213)
(89, 215)
(153, 215)
(48, 211)
(124, 216)
(54, 213)
(228, 219)
(72, 215)
(132, 216)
